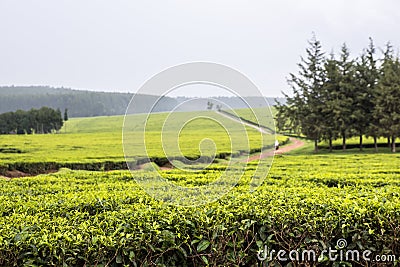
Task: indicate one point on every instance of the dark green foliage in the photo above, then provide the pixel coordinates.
(303, 110)
(366, 78)
(43, 120)
(388, 97)
(349, 97)
(345, 95)
(66, 114)
(79, 103)
(331, 85)
(90, 103)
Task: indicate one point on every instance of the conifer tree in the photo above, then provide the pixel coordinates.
(345, 96)
(388, 97)
(331, 87)
(371, 77)
(304, 108)
(366, 75)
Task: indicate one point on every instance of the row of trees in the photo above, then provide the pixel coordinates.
(344, 97)
(43, 120)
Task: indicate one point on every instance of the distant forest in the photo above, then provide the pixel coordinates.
(89, 103)
(79, 103)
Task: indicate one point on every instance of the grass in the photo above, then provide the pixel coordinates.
(103, 124)
(264, 116)
(100, 139)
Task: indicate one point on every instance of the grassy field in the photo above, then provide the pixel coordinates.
(264, 116)
(88, 140)
(307, 201)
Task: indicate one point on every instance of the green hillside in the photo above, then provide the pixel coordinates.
(99, 140)
(101, 124)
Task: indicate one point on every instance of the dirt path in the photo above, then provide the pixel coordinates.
(18, 174)
(295, 143)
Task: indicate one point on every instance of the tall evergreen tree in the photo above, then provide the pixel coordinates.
(345, 96)
(331, 87)
(366, 75)
(388, 97)
(304, 109)
(371, 76)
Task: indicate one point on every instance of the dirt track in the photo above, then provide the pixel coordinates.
(295, 143)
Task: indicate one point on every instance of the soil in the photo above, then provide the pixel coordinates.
(294, 143)
(19, 174)
(15, 174)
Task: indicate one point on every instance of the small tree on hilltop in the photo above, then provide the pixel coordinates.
(66, 118)
(66, 114)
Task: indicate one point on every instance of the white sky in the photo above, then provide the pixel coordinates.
(117, 45)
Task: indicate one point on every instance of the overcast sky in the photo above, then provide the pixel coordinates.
(117, 45)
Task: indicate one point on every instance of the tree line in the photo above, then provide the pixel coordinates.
(336, 96)
(80, 103)
(43, 120)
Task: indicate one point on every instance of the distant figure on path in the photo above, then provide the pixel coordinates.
(276, 145)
